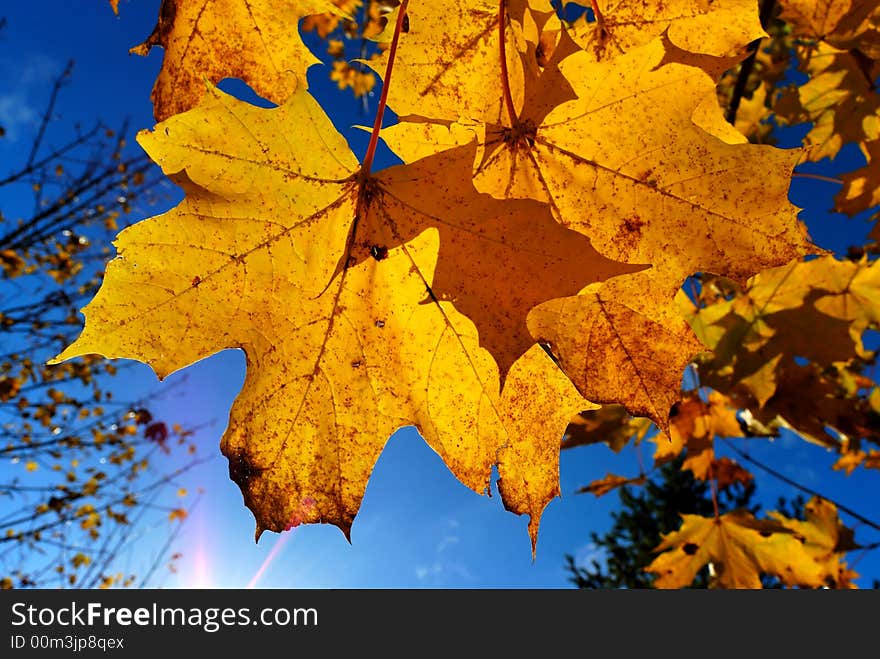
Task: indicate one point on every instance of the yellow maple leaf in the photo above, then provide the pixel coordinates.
(740, 549)
(838, 99)
(446, 61)
(844, 24)
(347, 292)
(632, 180)
(345, 76)
(712, 27)
(613, 352)
(326, 22)
(528, 465)
(752, 115)
(490, 263)
(824, 538)
(256, 41)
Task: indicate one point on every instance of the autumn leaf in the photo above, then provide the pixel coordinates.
(368, 264)
(849, 460)
(814, 311)
(256, 41)
(490, 263)
(381, 20)
(711, 27)
(844, 24)
(547, 199)
(178, 514)
(590, 154)
(752, 116)
(326, 22)
(838, 100)
(610, 424)
(824, 538)
(740, 549)
(615, 353)
(609, 483)
(445, 63)
(860, 190)
(694, 425)
(238, 169)
(728, 472)
(535, 393)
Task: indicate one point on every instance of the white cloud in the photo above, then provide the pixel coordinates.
(446, 542)
(586, 554)
(28, 82)
(17, 117)
(37, 70)
(442, 572)
(445, 569)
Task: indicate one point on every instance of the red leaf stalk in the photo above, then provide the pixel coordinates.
(505, 82)
(380, 110)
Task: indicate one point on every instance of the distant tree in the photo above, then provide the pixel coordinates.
(82, 476)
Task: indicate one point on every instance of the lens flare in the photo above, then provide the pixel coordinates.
(273, 553)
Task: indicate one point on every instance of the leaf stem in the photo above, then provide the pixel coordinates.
(600, 19)
(502, 49)
(383, 99)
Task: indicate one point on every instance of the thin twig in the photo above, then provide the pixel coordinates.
(383, 99)
(803, 488)
(47, 115)
(748, 64)
(164, 550)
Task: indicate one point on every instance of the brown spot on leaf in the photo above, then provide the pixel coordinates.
(690, 549)
(633, 225)
(241, 469)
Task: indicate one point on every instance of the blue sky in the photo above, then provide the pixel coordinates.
(418, 526)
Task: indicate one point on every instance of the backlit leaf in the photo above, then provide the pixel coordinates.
(256, 41)
(740, 549)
